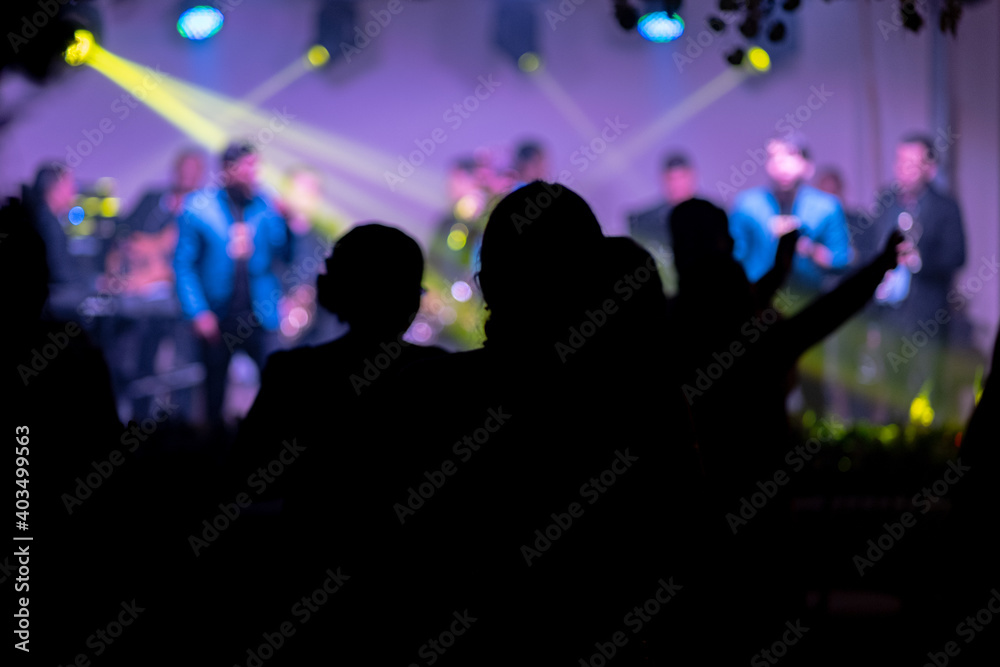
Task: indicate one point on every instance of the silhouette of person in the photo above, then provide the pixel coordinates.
(651, 228)
(60, 408)
(538, 499)
(738, 359)
(307, 440)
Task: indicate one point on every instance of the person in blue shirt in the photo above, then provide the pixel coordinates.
(761, 215)
(228, 239)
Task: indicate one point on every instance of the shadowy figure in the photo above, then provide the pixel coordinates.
(738, 357)
(306, 447)
(549, 490)
(60, 409)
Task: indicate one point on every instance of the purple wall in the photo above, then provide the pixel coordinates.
(430, 56)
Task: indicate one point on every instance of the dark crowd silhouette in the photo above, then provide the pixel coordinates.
(568, 493)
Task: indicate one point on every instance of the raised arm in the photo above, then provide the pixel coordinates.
(828, 312)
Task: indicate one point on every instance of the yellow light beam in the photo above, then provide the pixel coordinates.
(654, 132)
(269, 87)
(562, 101)
(353, 157)
(147, 86)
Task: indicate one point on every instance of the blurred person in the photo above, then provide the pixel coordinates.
(919, 291)
(310, 238)
(48, 202)
(228, 239)
(142, 263)
(531, 163)
(678, 183)
(762, 215)
(854, 369)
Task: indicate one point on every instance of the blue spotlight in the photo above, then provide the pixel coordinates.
(76, 215)
(200, 22)
(661, 26)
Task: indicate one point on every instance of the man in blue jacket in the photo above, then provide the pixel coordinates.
(761, 215)
(228, 238)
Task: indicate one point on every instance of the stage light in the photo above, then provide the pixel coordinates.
(76, 215)
(318, 55)
(201, 22)
(461, 291)
(529, 62)
(457, 237)
(661, 26)
(109, 207)
(516, 30)
(81, 48)
(759, 59)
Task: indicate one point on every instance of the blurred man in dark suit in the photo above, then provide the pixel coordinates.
(679, 182)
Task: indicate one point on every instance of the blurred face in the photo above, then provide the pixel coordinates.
(785, 165)
(679, 184)
(535, 169)
(912, 169)
(830, 184)
(190, 173)
(61, 195)
(243, 172)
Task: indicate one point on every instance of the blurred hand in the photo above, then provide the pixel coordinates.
(895, 246)
(206, 326)
(782, 224)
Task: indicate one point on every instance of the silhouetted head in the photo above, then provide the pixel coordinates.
(372, 279)
(24, 269)
(539, 248)
(700, 231)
